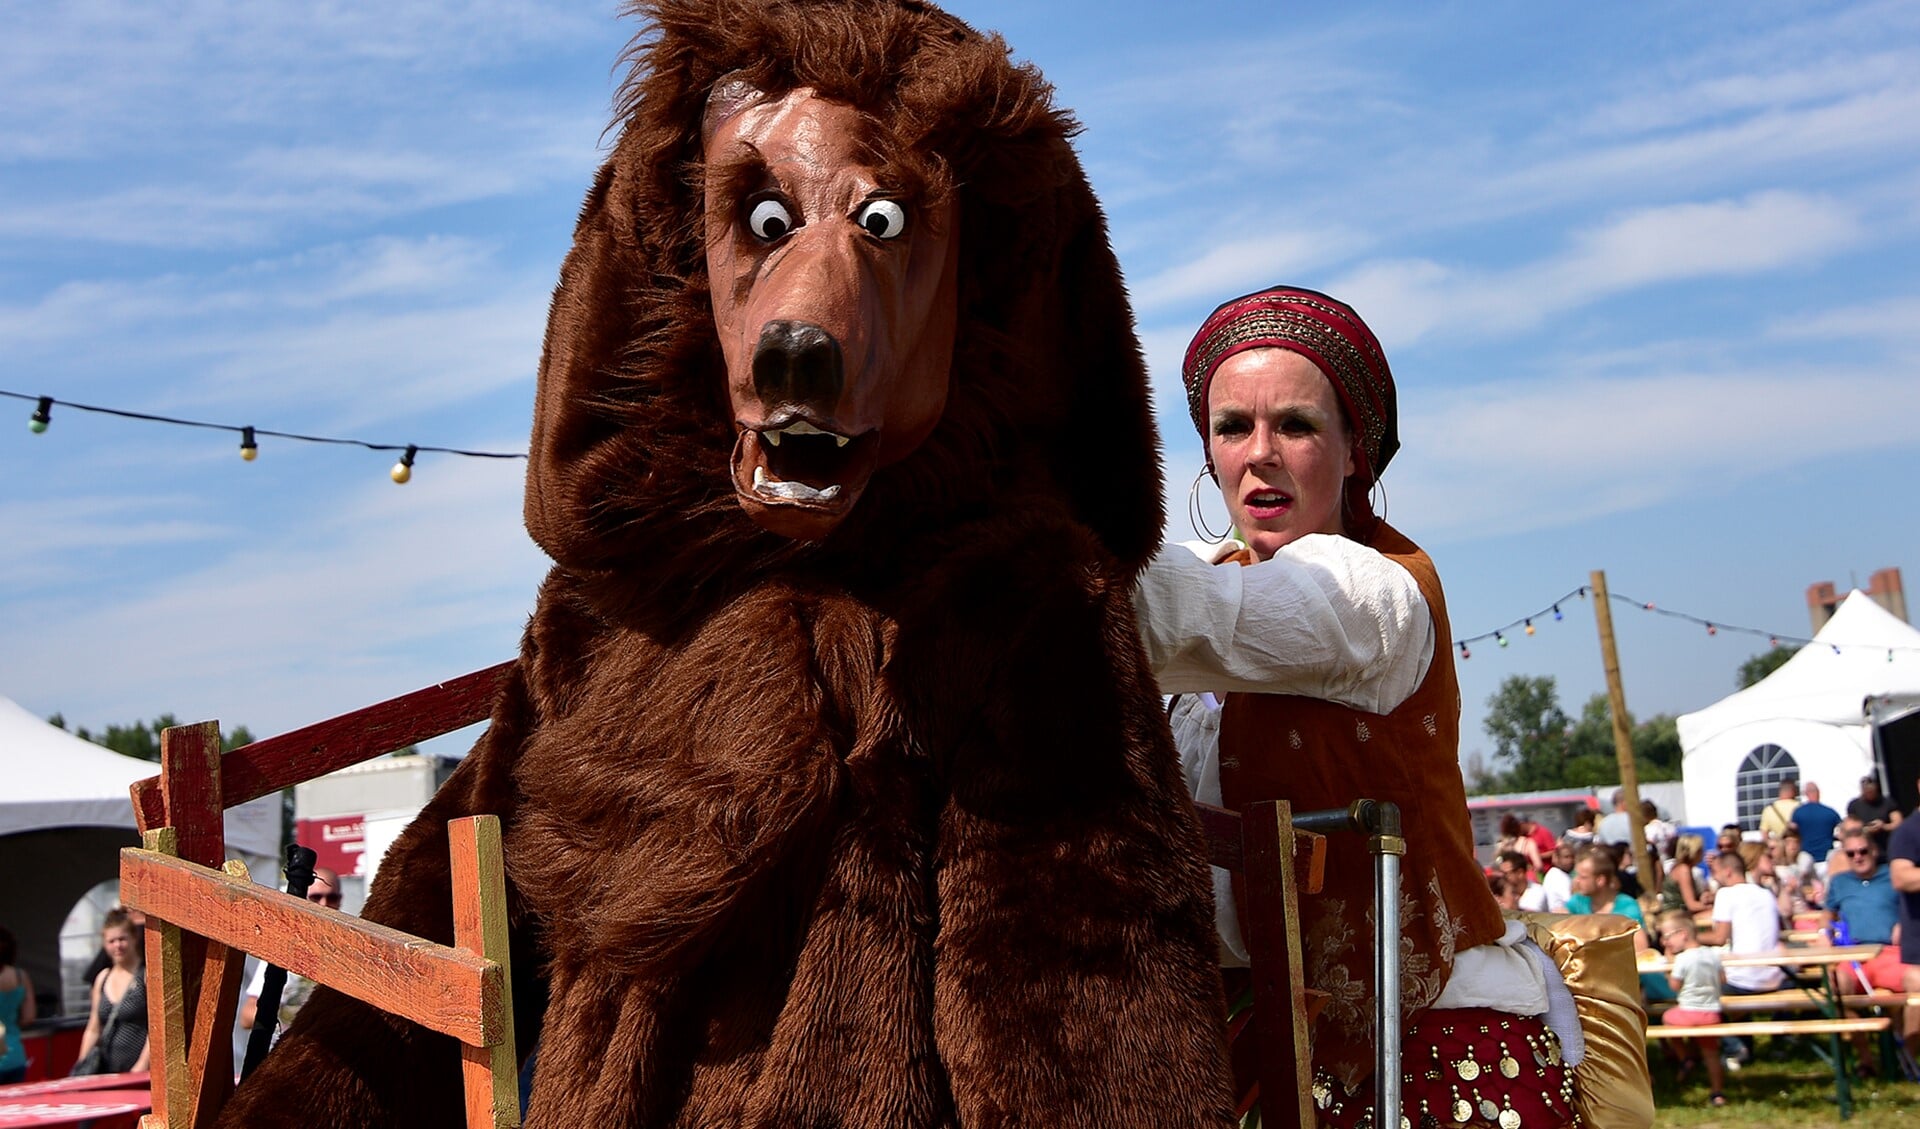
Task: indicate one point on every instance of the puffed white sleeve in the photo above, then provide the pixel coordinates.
(1325, 617)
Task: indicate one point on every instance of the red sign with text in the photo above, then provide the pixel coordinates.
(340, 841)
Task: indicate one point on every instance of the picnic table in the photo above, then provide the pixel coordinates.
(130, 1080)
(1815, 991)
(1789, 958)
(39, 1111)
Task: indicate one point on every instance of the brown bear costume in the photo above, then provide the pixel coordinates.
(835, 790)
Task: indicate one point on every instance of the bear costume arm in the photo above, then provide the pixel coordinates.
(1071, 874)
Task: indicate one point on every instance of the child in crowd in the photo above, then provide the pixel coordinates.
(1696, 977)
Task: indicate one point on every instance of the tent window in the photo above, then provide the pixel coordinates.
(1757, 784)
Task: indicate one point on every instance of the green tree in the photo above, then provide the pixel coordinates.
(141, 739)
(1761, 665)
(1529, 731)
(1536, 747)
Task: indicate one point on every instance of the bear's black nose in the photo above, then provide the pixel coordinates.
(797, 362)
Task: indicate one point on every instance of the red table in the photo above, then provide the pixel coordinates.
(132, 1080)
(40, 1110)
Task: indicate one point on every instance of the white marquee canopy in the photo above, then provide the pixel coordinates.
(54, 779)
(1815, 714)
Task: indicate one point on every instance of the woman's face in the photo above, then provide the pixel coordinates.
(118, 941)
(1280, 447)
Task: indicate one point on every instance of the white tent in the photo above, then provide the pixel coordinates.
(54, 779)
(1812, 719)
(65, 812)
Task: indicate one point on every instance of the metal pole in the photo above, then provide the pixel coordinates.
(1387, 845)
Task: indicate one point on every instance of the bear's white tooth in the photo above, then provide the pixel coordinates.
(759, 476)
(772, 437)
(840, 440)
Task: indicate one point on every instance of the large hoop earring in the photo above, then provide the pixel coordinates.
(1199, 520)
(1379, 508)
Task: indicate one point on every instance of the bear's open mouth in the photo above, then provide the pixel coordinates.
(790, 460)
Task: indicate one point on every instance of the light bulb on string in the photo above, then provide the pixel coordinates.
(1556, 612)
(1836, 647)
(402, 471)
(1648, 605)
(1712, 630)
(1529, 627)
(1499, 638)
(249, 450)
(1464, 653)
(41, 417)
(1772, 642)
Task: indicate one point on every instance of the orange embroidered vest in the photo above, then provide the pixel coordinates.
(1318, 754)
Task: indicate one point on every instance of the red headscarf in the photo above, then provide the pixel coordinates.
(1327, 332)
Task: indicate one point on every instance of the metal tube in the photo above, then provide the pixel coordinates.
(1386, 979)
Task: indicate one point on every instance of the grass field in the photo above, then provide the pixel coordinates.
(1797, 1093)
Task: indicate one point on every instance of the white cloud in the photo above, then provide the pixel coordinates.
(427, 267)
(388, 590)
(1859, 131)
(374, 366)
(1407, 299)
(1507, 457)
(55, 533)
(1834, 77)
(1895, 320)
(1242, 264)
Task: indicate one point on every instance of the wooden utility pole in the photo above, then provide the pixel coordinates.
(1623, 737)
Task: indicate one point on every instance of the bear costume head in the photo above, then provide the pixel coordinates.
(986, 347)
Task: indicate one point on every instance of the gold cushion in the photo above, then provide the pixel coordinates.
(1595, 955)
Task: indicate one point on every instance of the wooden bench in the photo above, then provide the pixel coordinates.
(1834, 1029)
(1864, 1024)
(1797, 1000)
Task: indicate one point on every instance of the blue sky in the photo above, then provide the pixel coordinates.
(1648, 276)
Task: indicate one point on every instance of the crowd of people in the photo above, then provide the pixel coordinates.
(1837, 877)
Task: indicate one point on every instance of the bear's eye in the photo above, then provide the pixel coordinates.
(770, 219)
(882, 219)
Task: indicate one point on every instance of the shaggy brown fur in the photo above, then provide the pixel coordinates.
(879, 830)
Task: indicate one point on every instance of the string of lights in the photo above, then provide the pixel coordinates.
(1503, 635)
(402, 471)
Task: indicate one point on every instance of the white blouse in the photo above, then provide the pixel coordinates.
(1324, 617)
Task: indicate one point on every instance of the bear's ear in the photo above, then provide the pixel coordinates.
(588, 328)
(1108, 458)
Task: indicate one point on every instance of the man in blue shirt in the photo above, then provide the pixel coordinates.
(1862, 895)
(1815, 821)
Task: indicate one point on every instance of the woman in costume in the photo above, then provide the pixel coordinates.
(117, 1017)
(1320, 673)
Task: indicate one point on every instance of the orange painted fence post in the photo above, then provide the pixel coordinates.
(491, 1073)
